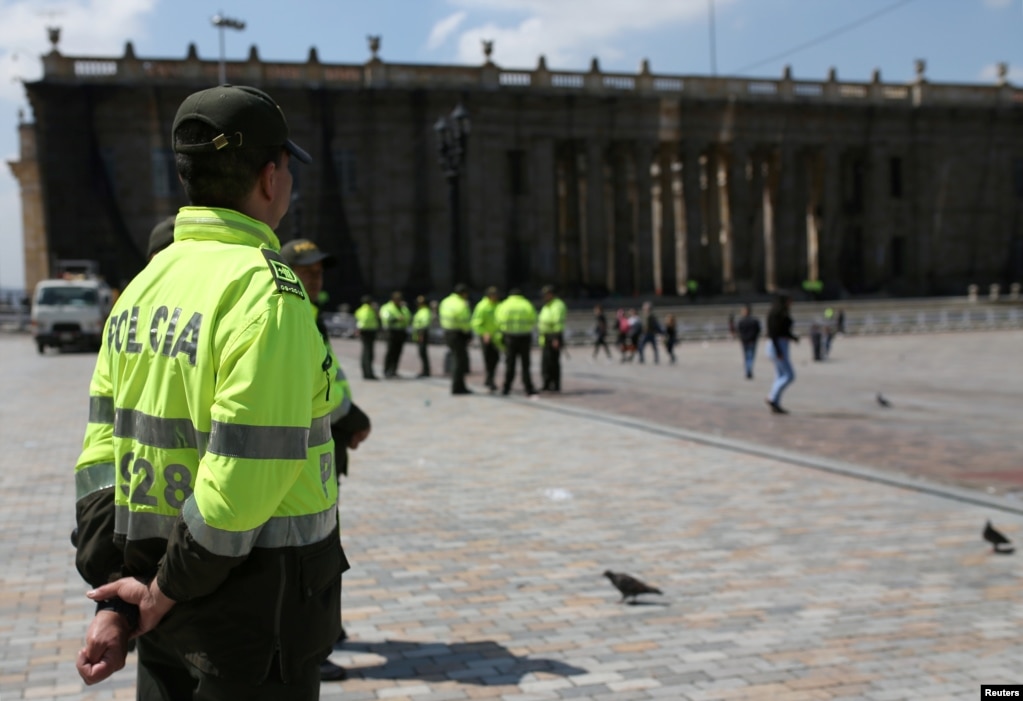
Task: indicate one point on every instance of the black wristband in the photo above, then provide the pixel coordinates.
(117, 605)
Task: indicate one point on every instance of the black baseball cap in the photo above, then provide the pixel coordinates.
(305, 252)
(243, 115)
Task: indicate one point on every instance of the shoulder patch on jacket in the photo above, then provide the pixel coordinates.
(284, 276)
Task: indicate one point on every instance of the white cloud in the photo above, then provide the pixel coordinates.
(89, 27)
(567, 32)
(989, 74)
(443, 29)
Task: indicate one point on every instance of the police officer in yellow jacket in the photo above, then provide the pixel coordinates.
(421, 322)
(485, 326)
(551, 325)
(349, 425)
(516, 318)
(456, 320)
(206, 489)
(367, 322)
(395, 316)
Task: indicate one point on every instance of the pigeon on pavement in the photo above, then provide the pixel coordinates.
(629, 586)
(882, 401)
(999, 543)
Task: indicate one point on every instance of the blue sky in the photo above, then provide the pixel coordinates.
(960, 40)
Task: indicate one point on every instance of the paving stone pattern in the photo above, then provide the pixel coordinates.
(478, 528)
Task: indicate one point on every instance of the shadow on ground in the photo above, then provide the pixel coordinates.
(483, 662)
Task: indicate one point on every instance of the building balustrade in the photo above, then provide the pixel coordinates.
(378, 73)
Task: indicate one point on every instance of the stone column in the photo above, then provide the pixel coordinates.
(710, 237)
(830, 238)
(724, 230)
(814, 191)
(667, 263)
(876, 228)
(743, 255)
(33, 214)
(609, 199)
(787, 232)
(542, 246)
(597, 255)
(645, 152)
(569, 254)
(678, 208)
(769, 198)
(696, 266)
(657, 222)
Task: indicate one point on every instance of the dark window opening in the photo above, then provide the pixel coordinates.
(1017, 178)
(516, 172)
(898, 256)
(895, 177)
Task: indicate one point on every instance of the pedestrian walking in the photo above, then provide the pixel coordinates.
(670, 336)
(600, 332)
(748, 331)
(779, 333)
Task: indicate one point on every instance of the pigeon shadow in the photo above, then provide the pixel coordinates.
(647, 603)
(481, 662)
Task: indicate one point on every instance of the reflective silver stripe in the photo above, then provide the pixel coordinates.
(93, 478)
(231, 440)
(278, 532)
(140, 525)
(293, 531)
(319, 432)
(156, 431)
(101, 410)
(259, 442)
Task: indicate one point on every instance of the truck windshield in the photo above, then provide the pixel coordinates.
(75, 296)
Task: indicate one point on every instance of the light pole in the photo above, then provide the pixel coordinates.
(220, 22)
(452, 141)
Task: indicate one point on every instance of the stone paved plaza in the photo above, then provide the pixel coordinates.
(831, 554)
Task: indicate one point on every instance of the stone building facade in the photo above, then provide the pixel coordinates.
(603, 183)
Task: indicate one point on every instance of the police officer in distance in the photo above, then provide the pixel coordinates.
(206, 494)
(367, 322)
(395, 316)
(551, 324)
(516, 319)
(421, 322)
(349, 425)
(456, 320)
(485, 326)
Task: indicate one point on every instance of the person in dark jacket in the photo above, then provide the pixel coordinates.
(748, 331)
(779, 332)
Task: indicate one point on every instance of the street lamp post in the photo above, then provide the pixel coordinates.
(452, 141)
(221, 22)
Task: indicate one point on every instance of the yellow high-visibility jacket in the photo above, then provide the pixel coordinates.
(208, 460)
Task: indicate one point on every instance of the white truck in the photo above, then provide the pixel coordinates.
(72, 309)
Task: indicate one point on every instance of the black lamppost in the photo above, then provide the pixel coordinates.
(221, 22)
(452, 141)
